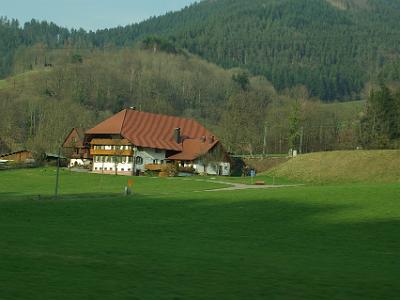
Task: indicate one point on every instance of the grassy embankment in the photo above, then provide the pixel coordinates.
(167, 242)
(380, 166)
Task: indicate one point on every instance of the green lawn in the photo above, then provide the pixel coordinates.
(170, 242)
(40, 183)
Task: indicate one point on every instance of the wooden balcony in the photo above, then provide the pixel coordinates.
(111, 152)
(153, 167)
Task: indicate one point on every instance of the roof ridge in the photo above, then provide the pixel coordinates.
(123, 122)
(170, 116)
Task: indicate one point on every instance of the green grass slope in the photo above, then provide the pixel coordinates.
(343, 166)
(311, 242)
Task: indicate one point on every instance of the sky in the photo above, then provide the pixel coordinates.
(88, 14)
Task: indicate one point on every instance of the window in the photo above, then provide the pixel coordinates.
(139, 160)
(95, 168)
(130, 159)
(155, 161)
(122, 169)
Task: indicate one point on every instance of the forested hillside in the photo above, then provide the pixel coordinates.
(41, 105)
(278, 58)
(333, 47)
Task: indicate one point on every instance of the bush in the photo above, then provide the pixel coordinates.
(190, 170)
(170, 169)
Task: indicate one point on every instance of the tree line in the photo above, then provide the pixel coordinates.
(42, 103)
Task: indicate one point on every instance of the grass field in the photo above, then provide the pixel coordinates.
(342, 167)
(172, 241)
(40, 183)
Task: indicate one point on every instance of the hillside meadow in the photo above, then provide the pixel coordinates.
(372, 166)
(173, 240)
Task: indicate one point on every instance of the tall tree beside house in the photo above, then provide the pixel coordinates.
(242, 123)
(294, 127)
(381, 122)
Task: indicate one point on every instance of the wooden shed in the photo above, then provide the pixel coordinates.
(18, 156)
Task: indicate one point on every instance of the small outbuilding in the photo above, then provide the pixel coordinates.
(17, 156)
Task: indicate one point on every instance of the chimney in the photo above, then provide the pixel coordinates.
(212, 139)
(133, 107)
(203, 139)
(177, 135)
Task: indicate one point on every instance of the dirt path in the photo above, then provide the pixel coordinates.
(241, 186)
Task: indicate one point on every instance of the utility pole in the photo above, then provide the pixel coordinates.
(265, 139)
(57, 174)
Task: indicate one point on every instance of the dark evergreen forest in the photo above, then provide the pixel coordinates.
(333, 47)
(269, 64)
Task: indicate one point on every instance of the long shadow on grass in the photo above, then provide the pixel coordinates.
(199, 247)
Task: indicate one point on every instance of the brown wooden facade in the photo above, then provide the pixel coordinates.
(19, 156)
(74, 145)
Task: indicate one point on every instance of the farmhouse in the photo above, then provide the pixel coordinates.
(131, 142)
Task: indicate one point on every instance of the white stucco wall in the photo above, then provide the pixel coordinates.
(123, 166)
(149, 156)
(225, 168)
(102, 166)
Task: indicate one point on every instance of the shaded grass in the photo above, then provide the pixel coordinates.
(331, 242)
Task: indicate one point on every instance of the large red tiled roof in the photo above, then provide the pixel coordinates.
(193, 148)
(153, 130)
(112, 125)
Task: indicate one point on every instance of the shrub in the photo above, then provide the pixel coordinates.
(170, 169)
(190, 170)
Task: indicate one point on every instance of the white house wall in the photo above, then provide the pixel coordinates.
(150, 156)
(153, 156)
(210, 170)
(101, 167)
